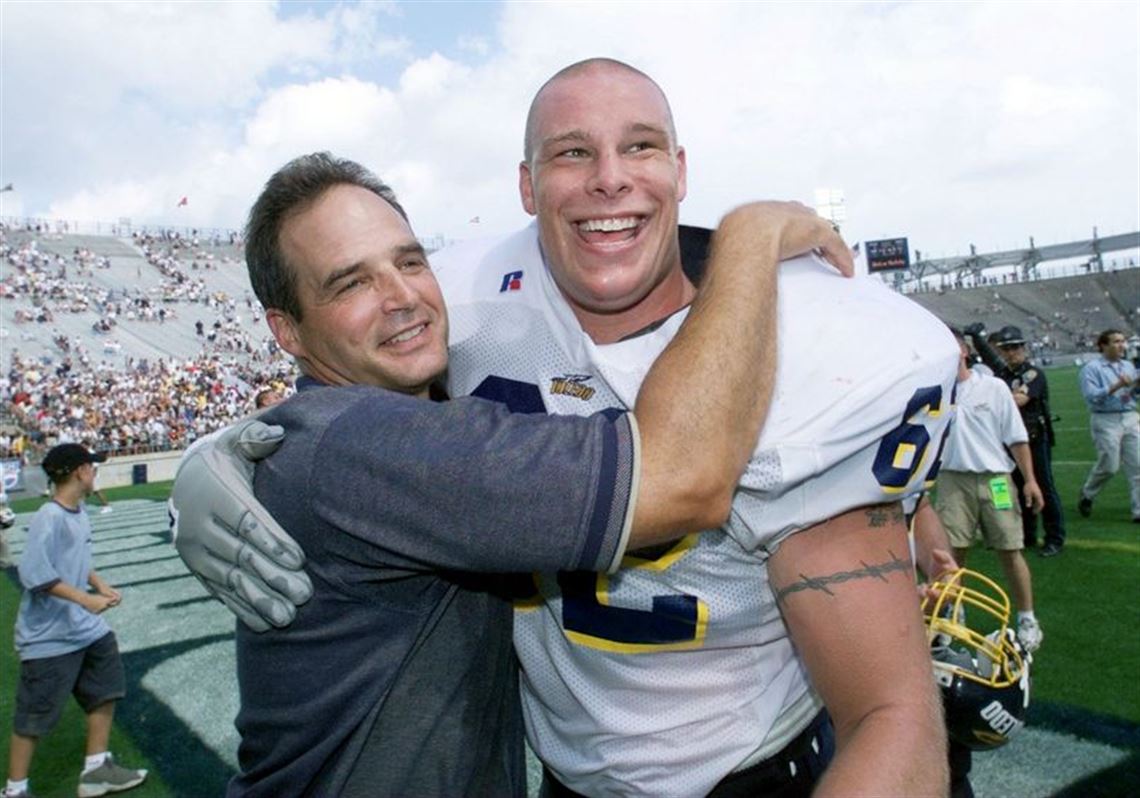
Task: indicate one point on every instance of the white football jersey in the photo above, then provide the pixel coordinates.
(666, 676)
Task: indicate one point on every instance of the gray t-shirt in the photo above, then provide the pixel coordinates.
(398, 677)
(58, 550)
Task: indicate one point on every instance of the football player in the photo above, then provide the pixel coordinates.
(703, 667)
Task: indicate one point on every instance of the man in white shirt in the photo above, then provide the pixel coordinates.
(975, 487)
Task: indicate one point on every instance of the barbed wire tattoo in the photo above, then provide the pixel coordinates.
(823, 584)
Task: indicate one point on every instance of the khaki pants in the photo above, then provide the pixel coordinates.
(1117, 440)
(965, 501)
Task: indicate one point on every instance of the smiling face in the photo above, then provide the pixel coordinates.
(604, 177)
(371, 310)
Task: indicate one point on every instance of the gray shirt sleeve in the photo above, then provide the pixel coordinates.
(388, 481)
(36, 570)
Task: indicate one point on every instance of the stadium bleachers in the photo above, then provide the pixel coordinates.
(1067, 312)
(128, 274)
(128, 345)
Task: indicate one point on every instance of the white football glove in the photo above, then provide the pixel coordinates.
(227, 538)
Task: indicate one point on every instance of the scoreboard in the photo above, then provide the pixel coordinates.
(887, 255)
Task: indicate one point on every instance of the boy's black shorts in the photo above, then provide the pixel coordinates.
(94, 675)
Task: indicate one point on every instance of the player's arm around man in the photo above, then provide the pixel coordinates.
(846, 591)
(694, 444)
(686, 458)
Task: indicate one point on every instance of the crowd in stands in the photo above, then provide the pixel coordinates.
(146, 406)
(52, 283)
(1062, 316)
(57, 228)
(192, 239)
(133, 405)
(42, 278)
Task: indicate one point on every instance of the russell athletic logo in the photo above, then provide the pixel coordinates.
(573, 385)
(512, 281)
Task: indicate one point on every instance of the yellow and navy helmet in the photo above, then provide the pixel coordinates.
(978, 662)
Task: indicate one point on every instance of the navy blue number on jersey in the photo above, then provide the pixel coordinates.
(902, 451)
(519, 397)
(675, 621)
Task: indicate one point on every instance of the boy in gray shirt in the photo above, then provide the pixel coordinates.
(64, 644)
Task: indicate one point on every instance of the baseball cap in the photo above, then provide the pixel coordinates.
(67, 457)
(1009, 336)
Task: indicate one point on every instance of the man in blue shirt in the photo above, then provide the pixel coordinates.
(1109, 386)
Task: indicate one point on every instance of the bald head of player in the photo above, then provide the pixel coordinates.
(603, 173)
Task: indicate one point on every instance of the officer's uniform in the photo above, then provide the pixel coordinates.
(1029, 379)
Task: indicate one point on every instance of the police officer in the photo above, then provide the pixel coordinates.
(1005, 352)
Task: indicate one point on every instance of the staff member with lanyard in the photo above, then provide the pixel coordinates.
(1006, 354)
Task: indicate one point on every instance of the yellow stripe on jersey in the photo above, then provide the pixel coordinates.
(600, 643)
(670, 556)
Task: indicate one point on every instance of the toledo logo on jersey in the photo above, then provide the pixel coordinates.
(512, 281)
(573, 385)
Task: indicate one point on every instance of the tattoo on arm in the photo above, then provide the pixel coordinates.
(885, 515)
(878, 571)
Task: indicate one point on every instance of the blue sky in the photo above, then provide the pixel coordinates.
(950, 123)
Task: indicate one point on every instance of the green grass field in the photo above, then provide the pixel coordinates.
(1085, 676)
(1086, 598)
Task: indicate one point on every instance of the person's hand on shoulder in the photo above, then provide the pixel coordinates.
(227, 538)
(795, 229)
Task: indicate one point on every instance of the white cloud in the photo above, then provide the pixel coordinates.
(360, 34)
(185, 55)
(330, 114)
(431, 76)
(952, 123)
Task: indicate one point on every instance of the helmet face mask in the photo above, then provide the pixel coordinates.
(981, 668)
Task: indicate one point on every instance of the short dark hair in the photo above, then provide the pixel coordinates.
(263, 396)
(1102, 339)
(290, 190)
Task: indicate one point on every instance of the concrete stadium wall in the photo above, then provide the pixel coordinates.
(116, 472)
